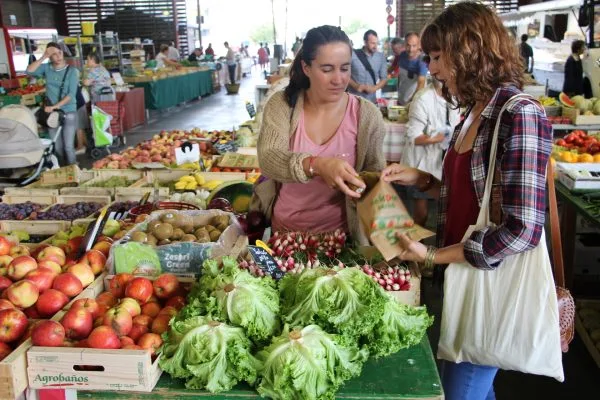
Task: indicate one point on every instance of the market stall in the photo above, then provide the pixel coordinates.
(135, 112)
(174, 90)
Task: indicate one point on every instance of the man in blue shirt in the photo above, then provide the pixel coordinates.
(369, 68)
(412, 70)
(61, 94)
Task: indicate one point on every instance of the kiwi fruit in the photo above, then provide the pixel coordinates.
(201, 232)
(222, 227)
(163, 231)
(152, 225)
(198, 221)
(177, 234)
(163, 242)
(220, 220)
(169, 218)
(210, 228)
(187, 226)
(152, 240)
(139, 236)
(214, 235)
(188, 238)
(202, 235)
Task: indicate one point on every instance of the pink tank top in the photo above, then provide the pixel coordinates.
(314, 206)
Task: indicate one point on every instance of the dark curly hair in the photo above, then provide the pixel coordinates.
(476, 46)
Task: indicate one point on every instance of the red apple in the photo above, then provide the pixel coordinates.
(104, 337)
(68, 284)
(68, 264)
(51, 302)
(23, 294)
(4, 304)
(126, 341)
(82, 344)
(105, 239)
(132, 306)
(103, 247)
(150, 341)
(42, 278)
(4, 350)
(19, 250)
(140, 289)
(95, 259)
(168, 310)
(165, 286)
(99, 321)
(142, 320)
(119, 319)
(78, 323)
(89, 305)
(13, 324)
(5, 246)
(137, 331)
(160, 324)
(83, 272)
(118, 283)
(107, 298)
(177, 302)
(48, 333)
(151, 309)
(132, 347)
(32, 312)
(52, 253)
(73, 245)
(20, 266)
(38, 249)
(153, 299)
(51, 265)
(5, 261)
(4, 283)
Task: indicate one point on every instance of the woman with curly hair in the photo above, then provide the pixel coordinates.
(470, 52)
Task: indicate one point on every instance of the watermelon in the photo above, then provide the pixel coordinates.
(566, 101)
(239, 194)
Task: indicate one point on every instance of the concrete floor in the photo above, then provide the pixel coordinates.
(222, 111)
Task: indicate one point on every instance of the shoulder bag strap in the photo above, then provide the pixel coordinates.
(363, 59)
(62, 84)
(557, 256)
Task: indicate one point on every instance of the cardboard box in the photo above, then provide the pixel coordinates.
(579, 176)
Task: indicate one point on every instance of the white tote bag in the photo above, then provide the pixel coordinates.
(507, 317)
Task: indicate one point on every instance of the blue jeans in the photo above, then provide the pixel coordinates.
(466, 381)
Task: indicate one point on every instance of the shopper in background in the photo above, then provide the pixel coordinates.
(573, 84)
(263, 57)
(97, 76)
(481, 75)
(173, 52)
(210, 51)
(412, 71)
(63, 99)
(369, 68)
(526, 53)
(231, 63)
(397, 49)
(431, 120)
(196, 55)
(314, 139)
(162, 58)
(296, 46)
(267, 49)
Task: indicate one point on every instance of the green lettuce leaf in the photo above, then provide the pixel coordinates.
(345, 301)
(210, 355)
(400, 326)
(307, 364)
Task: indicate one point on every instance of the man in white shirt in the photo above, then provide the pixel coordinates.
(231, 63)
(173, 52)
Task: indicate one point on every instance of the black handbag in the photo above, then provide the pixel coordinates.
(55, 118)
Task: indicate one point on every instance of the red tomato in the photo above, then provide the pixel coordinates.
(561, 142)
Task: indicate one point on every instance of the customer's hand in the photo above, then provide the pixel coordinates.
(49, 52)
(411, 249)
(401, 174)
(49, 109)
(362, 89)
(337, 173)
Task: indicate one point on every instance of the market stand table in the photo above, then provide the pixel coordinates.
(169, 92)
(571, 204)
(408, 374)
(135, 111)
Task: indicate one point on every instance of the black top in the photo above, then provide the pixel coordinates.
(573, 77)
(526, 54)
(192, 57)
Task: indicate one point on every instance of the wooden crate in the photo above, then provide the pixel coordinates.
(72, 199)
(583, 332)
(13, 369)
(165, 176)
(25, 191)
(141, 187)
(68, 174)
(137, 197)
(130, 174)
(23, 198)
(35, 227)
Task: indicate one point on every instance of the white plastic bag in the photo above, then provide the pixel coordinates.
(507, 317)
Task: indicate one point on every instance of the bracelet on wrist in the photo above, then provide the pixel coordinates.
(429, 261)
(311, 168)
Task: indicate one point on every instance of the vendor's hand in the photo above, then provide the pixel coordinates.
(49, 109)
(400, 173)
(411, 249)
(87, 82)
(337, 173)
(49, 52)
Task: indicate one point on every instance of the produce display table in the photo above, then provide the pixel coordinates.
(135, 112)
(408, 374)
(393, 142)
(169, 92)
(572, 204)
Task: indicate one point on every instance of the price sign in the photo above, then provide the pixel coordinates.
(236, 160)
(265, 262)
(187, 153)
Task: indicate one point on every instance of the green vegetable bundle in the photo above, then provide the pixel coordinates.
(307, 363)
(210, 354)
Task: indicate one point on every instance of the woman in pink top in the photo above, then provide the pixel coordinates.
(315, 137)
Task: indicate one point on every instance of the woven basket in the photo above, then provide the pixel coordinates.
(162, 205)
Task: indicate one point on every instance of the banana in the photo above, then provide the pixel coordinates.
(191, 186)
(180, 185)
(199, 179)
(211, 185)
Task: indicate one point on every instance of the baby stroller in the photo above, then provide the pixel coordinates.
(23, 154)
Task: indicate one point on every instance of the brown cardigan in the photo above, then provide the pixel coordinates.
(281, 165)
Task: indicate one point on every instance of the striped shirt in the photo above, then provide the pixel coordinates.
(524, 146)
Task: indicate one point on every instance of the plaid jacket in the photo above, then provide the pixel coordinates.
(524, 145)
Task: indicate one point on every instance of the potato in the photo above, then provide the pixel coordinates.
(214, 235)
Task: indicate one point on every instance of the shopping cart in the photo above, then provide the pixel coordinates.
(116, 110)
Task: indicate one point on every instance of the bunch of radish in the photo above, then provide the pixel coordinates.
(394, 278)
(286, 244)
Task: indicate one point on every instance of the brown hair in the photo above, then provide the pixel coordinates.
(478, 49)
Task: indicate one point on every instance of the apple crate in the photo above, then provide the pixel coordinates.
(28, 191)
(23, 198)
(34, 227)
(13, 368)
(141, 187)
(585, 333)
